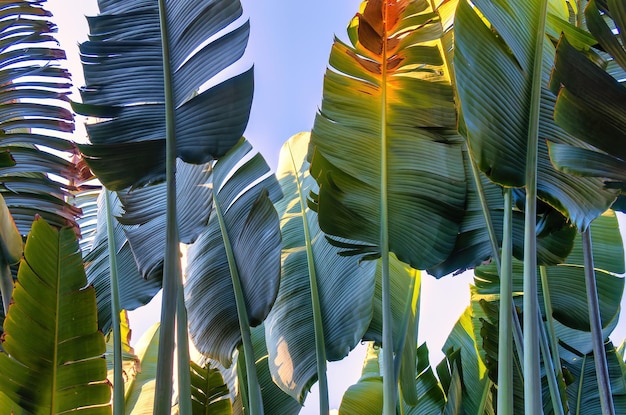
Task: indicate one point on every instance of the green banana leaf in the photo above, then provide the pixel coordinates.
(208, 391)
(244, 188)
(144, 215)
(473, 246)
(430, 396)
(123, 66)
(591, 102)
(134, 290)
(384, 148)
(37, 174)
(52, 360)
(493, 66)
(11, 248)
(405, 299)
(366, 396)
(462, 350)
(344, 285)
(141, 386)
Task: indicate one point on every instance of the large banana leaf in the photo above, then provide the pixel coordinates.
(134, 290)
(33, 95)
(473, 246)
(493, 67)
(144, 215)
(465, 343)
(345, 286)
(125, 77)
(591, 102)
(52, 361)
(244, 187)
(383, 147)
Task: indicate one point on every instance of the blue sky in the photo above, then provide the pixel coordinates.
(289, 46)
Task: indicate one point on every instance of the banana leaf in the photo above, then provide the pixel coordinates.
(344, 285)
(36, 175)
(52, 360)
(384, 148)
(125, 79)
(493, 58)
(244, 188)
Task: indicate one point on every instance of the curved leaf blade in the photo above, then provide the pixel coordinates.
(492, 64)
(124, 76)
(345, 286)
(244, 188)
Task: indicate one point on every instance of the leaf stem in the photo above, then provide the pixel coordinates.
(389, 379)
(599, 353)
(118, 380)
(495, 252)
(550, 369)
(172, 279)
(553, 341)
(505, 337)
(254, 390)
(6, 283)
(320, 347)
(532, 375)
(182, 347)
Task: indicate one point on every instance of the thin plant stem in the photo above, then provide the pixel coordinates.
(119, 400)
(553, 384)
(171, 272)
(254, 390)
(495, 252)
(320, 347)
(532, 375)
(505, 334)
(551, 332)
(184, 359)
(599, 353)
(389, 382)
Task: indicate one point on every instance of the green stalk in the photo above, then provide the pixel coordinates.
(119, 400)
(532, 376)
(554, 344)
(553, 385)
(505, 335)
(172, 280)
(599, 354)
(254, 390)
(389, 382)
(182, 347)
(320, 347)
(495, 252)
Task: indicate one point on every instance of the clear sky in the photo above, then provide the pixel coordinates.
(289, 45)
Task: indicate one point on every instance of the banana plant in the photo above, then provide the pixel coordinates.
(506, 130)
(233, 268)
(146, 89)
(63, 370)
(384, 148)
